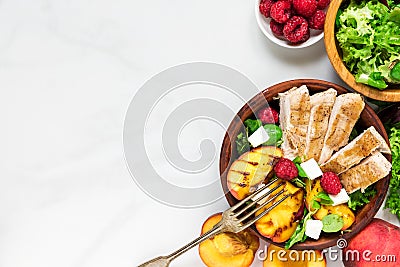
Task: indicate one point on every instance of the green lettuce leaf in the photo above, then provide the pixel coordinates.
(359, 199)
(368, 34)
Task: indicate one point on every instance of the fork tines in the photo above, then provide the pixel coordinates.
(246, 208)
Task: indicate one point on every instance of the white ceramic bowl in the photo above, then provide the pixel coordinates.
(263, 24)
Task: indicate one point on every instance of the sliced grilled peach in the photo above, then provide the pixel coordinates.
(280, 223)
(251, 169)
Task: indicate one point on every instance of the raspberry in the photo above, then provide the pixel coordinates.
(317, 20)
(322, 4)
(305, 8)
(330, 182)
(281, 11)
(268, 115)
(296, 30)
(286, 169)
(265, 7)
(276, 27)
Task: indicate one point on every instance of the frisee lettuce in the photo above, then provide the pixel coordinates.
(368, 34)
(393, 199)
(242, 143)
(359, 199)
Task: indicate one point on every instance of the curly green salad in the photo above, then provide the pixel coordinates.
(393, 198)
(368, 33)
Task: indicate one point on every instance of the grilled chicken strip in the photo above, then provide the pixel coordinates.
(321, 107)
(294, 117)
(345, 113)
(369, 171)
(358, 149)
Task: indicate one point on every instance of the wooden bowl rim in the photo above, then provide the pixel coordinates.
(390, 95)
(365, 215)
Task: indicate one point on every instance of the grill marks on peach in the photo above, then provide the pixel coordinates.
(279, 224)
(251, 169)
(242, 172)
(254, 163)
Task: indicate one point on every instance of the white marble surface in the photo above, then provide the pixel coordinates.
(68, 70)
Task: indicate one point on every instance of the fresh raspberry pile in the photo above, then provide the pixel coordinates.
(330, 182)
(286, 169)
(269, 115)
(293, 19)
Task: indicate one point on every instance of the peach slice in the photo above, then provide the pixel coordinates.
(251, 169)
(342, 210)
(227, 249)
(280, 223)
(279, 257)
(312, 189)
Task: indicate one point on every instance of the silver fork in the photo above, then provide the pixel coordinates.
(231, 221)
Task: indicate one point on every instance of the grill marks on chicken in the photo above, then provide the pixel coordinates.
(358, 149)
(319, 125)
(295, 109)
(369, 171)
(345, 113)
(321, 107)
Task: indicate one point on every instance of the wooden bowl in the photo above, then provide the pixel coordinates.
(229, 154)
(391, 94)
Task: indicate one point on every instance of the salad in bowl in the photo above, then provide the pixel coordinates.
(326, 146)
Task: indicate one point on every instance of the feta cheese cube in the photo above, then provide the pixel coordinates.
(311, 168)
(313, 228)
(259, 137)
(340, 198)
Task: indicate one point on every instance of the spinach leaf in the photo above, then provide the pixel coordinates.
(252, 125)
(299, 234)
(299, 183)
(302, 173)
(324, 198)
(332, 223)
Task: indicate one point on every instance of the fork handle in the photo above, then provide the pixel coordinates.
(164, 261)
(156, 262)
